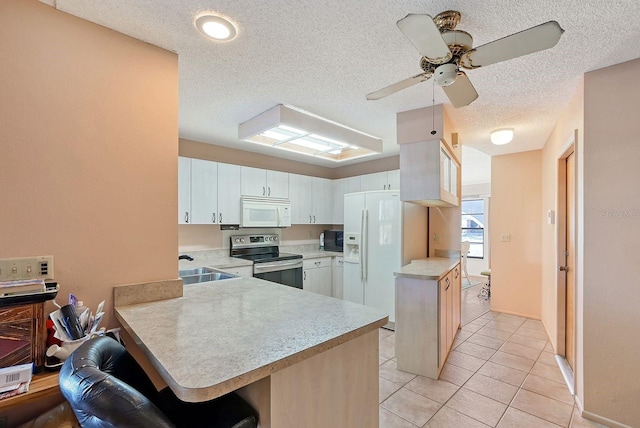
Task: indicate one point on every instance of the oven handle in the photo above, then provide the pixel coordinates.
(271, 267)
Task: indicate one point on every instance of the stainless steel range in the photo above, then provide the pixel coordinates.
(268, 262)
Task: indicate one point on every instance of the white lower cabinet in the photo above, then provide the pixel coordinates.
(338, 280)
(316, 275)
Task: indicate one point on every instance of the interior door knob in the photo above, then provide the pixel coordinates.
(564, 268)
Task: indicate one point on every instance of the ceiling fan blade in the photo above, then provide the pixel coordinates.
(398, 86)
(425, 36)
(461, 92)
(540, 37)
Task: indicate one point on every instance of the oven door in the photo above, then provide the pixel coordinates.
(286, 272)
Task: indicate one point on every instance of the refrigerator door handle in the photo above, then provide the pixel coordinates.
(361, 246)
(364, 244)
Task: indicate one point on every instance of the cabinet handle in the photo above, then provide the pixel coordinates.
(310, 219)
(269, 191)
(448, 284)
(457, 274)
(186, 217)
(304, 275)
(314, 219)
(316, 263)
(220, 218)
(264, 191)
(213, 217)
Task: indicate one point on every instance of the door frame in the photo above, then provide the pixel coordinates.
(561, 230)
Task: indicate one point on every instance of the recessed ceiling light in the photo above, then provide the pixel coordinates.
(502, 136)
(215, 27)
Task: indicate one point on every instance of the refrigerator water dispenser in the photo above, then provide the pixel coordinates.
(351, 247)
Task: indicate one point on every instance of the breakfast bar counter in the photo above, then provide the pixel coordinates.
(308, 354)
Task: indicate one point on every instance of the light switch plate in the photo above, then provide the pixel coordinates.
(505, 237)
(40, 267)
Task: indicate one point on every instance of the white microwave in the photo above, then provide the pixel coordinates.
(265, 212)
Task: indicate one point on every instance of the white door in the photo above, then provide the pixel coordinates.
(321, 193)
(184, 190)
(228, 194)
(383, 239)
(277, 184)
(341, 187)
(204, 192)
(300, 197)
(376, 181)
(352, 284)
(253, 181)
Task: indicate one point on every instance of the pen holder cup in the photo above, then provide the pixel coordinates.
(63, 352)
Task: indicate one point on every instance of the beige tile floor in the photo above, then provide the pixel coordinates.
(501, 373)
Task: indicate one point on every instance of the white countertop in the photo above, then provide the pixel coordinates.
(429, 268)
(222, 335)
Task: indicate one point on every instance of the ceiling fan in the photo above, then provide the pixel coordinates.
(445, 50)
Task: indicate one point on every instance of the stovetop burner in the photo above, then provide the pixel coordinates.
(259, 248)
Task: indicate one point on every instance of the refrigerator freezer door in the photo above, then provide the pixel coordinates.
(353, 290)
(383, 249)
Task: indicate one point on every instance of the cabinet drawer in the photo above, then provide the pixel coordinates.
(316, 263)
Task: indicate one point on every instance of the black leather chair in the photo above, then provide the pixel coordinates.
(106, 387)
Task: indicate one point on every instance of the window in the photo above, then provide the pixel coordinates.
(473, 226)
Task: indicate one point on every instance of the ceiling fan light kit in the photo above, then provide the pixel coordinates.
(502, 136)
(445, 50)
(289, 128)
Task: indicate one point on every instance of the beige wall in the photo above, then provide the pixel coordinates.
(88, 163)
(568, 130)
(516, 186)
(611, 235)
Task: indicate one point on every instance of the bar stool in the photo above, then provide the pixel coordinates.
(485, 292)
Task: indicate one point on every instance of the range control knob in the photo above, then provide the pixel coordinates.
(275, 238)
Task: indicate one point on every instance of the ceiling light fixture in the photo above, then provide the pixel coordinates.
(215, 27)
(502, 136)
(289, 128)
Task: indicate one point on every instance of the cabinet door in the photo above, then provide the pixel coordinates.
(456, 299)
(449, 291)
(317, 280)
(393, 180)
(253, 181)
(341, 187)
(336, 273)
(184, 190)
(301, 199)
(376, 181)
(204, 192)
(228, 194)
(277, 184)
(444, 320)
(321, 194)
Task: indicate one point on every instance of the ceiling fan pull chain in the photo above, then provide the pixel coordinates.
(433, 107)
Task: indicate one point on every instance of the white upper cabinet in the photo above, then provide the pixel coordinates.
(321, 193)
(388, 180)
(204, 192)
(301, 199)
(341, 187)
(262, 182)
(184, 190)
(430, 174)
(228, 194)
(310, 199)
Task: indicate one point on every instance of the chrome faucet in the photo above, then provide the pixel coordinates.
(185, 257)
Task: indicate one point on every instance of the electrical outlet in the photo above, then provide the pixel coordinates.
(505, 237)
(436, 237)
(26, 268)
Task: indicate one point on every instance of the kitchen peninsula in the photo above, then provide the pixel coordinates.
(301, 359)
(427, 314)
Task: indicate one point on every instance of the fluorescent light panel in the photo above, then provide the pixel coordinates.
(288, 128)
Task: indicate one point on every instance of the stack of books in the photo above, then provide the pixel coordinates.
(15, 380)
(22, 287)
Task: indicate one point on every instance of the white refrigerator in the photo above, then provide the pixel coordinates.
(381, 234)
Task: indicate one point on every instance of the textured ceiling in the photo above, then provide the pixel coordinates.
(325, 56)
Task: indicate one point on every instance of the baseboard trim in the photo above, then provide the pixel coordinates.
(502, 311)
(567, 373)
(596, 418)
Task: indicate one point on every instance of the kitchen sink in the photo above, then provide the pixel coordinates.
(203, 274)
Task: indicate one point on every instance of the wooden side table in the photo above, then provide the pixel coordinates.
(44, 393)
